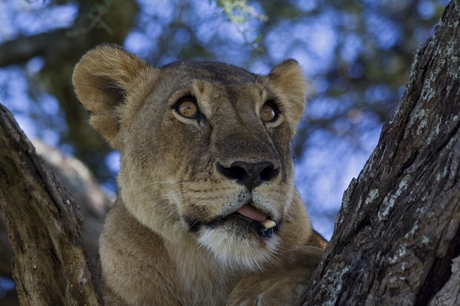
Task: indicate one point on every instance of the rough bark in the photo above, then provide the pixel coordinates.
(50, 265)
(397, 233)
(79, 181)
(76, 178)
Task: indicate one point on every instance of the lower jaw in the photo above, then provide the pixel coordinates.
(238, 248)
(249, 225)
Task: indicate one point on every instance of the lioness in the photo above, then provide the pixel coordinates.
(207, 212)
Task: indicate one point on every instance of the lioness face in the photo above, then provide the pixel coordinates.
(205, 153)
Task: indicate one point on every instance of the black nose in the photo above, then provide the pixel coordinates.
(250, 175)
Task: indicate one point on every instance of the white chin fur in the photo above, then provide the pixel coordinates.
(238, 252)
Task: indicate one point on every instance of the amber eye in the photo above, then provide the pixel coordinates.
(268, 113)
(187, 108)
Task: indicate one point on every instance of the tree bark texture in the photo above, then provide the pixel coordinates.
(396, 239)
(76, 178)
(50, 263)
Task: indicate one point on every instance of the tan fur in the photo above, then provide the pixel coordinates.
(169, 240)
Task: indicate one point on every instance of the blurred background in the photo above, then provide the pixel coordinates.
(357, 54)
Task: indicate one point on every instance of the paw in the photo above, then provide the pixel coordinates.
(282, 284)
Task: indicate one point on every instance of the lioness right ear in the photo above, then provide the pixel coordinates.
(110, 83)
(289, 80)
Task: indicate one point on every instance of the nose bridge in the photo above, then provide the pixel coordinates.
(244, 151)
(240, 134)
(244, 146)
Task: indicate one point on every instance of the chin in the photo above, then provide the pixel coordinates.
(239, 244)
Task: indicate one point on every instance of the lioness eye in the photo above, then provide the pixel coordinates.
(187, 108)
(268, 113)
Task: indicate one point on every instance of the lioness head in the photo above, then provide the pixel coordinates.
(205, 147)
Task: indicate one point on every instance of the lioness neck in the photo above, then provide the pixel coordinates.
(165, 273)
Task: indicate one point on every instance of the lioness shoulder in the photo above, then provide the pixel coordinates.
(206, 200)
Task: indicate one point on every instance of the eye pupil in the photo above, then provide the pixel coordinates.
(268, 113)
(187, 108)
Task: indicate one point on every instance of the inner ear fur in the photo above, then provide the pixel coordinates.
(289, 80)
(111, 84)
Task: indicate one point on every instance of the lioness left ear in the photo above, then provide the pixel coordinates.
(110, 83)
(290, 83)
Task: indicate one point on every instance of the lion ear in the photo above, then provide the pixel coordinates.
(288, 79)
(110, 83)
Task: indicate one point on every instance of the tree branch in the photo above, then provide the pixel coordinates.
(398, 229)
(97, 22)
(47, 45)
(50, 264)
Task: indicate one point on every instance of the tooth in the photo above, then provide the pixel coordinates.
(267, 223)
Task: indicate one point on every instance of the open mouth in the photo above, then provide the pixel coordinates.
(246, 219)
(259, 227)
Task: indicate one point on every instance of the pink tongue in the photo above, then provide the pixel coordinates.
(251, 213)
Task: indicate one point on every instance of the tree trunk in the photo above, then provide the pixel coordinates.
(396, 239)
(50, 264)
